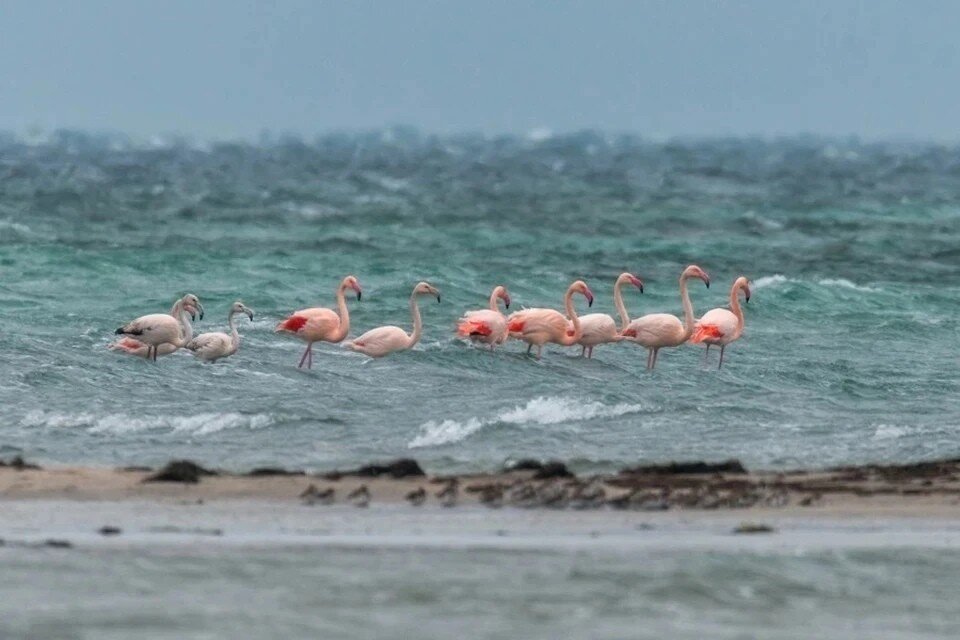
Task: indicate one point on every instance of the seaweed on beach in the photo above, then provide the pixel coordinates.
(180, 471)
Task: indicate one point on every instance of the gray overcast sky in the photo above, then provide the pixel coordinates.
(228, 68)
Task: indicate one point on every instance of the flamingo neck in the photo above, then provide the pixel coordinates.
(234, 334)
(621, 307)
(344, 314)
(414, 337)
(687, 309)
(572, 314)
(186, 335)
(736, 308)
(493, 301)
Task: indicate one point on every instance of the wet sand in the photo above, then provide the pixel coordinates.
(929, 489)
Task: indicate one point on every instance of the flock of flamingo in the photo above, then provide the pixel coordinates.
(160, 334)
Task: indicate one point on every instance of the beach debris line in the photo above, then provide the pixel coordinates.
(753, 528)
(109, 530)
(185, 471)
(17, 462)
(400, 468)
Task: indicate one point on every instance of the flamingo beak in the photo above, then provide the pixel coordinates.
(506, 302)
(638, 283)
(359, 295)
(746, 293)
(200, 307)
(707, 281)
(119, 331)
(589, 296)
(438, 297)
(250, 313)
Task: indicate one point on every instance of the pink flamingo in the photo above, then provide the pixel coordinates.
(540, 326)
(722, 326)
(657, 330)
(600, 328)
(210, 347)
(160, 330)
(184, 310)
(321, 324)
(487, 326)
(383, 341)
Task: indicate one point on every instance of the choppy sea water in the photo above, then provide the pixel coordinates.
(850, 352)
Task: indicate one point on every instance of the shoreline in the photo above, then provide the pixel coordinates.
(926, 489)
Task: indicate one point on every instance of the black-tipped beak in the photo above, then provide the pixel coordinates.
(747, 299)
(641, 288)
(359, 295)
(193, 317)
(250, 313)
(118, 331)
(708, 284)
(590, 302)
(438, 298)
(506, 305)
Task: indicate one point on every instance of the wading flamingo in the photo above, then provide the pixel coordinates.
(722, 326)
(321, 324)
(383, 341)
(540, 326)
(158, 329)
(487, 326)
(600, 328)
(657, 330)
(133, 347)
(210, 347)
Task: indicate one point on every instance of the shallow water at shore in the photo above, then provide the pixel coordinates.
(849, 355)
(248, 570)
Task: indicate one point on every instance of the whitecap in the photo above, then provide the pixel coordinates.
(539, 411)
(118, 423)
(846, 284)
(889, 432)
(769, 281)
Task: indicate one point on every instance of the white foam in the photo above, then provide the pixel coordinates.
(539, 411)
(889, 432)
(846, 284)
(769, 281)
(117, 423)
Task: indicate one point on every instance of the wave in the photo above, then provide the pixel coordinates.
(777, 279)
(846, 284)
(118, 423)
(769, 281)
(539, 411)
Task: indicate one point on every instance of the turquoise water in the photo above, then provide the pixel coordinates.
(850, 352)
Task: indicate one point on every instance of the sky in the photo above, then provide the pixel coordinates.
(222, 69)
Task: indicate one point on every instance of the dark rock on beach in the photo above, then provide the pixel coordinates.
(274, 471)
(180, 471)
(108, 530)
(553, 469)
(687, 468)
(18, 463)
(400, 468)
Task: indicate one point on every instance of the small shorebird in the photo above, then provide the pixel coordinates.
(311, 495)
(417, 497)
(448, 496)
(360, 497)
(492, 496)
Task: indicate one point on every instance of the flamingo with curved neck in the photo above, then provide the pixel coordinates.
(722, 326)
(540, 326)
(210, 347)
(486, 326)
(600, 328)
(158, 330)
(657, 330)
(383, 341)
(318, 324)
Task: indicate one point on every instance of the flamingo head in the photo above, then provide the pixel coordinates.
(581, 287)
(426, 289)
(693, 271)
(743, 285)
(502, 293)
(629, 278)
(192, 304)
(351, 282)
(239, 307)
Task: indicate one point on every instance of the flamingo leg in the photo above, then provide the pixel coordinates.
(154, 347)
(649, 359)
(529, 348)
(706, 354)
(304, 358)
(583, 351)
(539, 350)
(590, 353)
(722, 347)
(491, 347)
(656, 352)
(310, 358)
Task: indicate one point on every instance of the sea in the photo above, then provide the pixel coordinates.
(849, 354)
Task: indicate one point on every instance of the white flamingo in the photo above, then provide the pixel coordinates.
(600, 328)
(210, 347)
(139, 333)
(722, 326)
(383, 341)
(657, 330)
